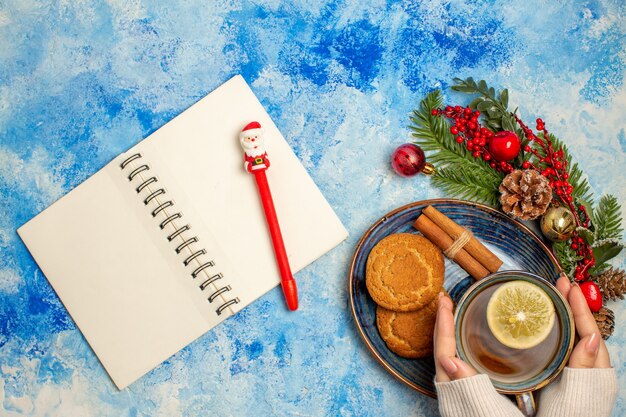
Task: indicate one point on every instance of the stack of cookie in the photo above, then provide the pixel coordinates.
(404, 276)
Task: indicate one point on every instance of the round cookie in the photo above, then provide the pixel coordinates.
(408, 334)
(404, 272)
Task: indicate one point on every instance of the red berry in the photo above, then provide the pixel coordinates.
(574, 246)
(457, 109)
(526, 165)
(504, 146)
(492, 165)
(454, 130)
(467, 110)
(486, 156)
(526, 148)
(592, 294)
(459, 139)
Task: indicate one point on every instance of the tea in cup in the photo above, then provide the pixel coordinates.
(520, 351)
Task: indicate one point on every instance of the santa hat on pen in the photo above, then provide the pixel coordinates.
(251, 129)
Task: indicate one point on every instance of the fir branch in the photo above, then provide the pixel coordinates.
(475, 179)
(468, 183)
(607, 219)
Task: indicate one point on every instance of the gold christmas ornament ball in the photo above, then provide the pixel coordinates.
(558, 224)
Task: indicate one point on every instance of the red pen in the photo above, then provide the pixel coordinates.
(256, 162)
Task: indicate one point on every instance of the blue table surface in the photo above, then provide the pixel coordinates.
(83, 81)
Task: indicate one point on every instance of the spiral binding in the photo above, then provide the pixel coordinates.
(163, 207)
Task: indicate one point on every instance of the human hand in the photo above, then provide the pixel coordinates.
(590, 351)
(448, 366)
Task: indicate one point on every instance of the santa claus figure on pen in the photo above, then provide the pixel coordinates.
(251, 139)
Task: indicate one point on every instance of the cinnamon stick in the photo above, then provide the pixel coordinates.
(440, 238)
(474, 247)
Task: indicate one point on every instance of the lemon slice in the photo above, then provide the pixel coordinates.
(520, 314)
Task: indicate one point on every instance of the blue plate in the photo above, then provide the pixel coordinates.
(510, 240)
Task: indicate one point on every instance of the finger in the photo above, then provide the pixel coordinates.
(444, 330)
(585, 353)
(603, 360)
(563, 284)
(586, 324)
(448, 367)
(455, 368)
(445, 342)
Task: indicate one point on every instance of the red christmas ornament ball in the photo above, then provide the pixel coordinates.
(408, 160)
(504, 145)
(592, 294)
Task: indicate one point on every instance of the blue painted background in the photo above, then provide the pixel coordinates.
(83, 81)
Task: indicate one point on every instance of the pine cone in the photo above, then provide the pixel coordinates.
(605, 319)
(612, 284)
(525, 194)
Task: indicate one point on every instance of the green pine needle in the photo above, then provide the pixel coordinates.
(607, 218)
(468, 183)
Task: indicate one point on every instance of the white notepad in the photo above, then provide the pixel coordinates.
(128, 257)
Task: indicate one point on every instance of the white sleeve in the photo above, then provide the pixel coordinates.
(579, 393)
(474, 396)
